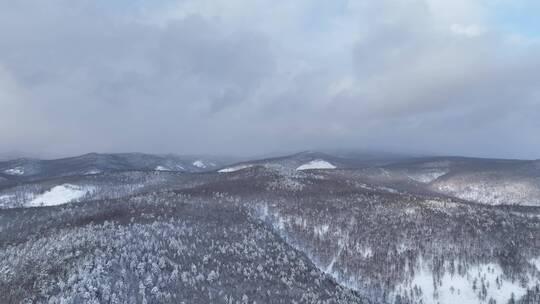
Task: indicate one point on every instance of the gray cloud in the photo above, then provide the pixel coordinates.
(254, 76)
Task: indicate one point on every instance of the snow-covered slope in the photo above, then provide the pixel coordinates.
(312, 160)
(234, 169)
(479, 284)
(491, 191)
(59, 195)
(199, 163)
(162, 168)
(203, 164)
(316, 164)
(486, 181)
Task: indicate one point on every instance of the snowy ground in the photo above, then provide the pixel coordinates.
(479, 284)
(59, 195)
(235, 168)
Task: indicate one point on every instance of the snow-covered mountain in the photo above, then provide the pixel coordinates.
(305, 228)
(487, 181)
(26, 169)
(311, 160)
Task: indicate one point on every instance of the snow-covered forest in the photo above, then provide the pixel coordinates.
(274, 231)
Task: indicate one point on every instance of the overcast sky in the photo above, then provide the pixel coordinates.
(257, 76)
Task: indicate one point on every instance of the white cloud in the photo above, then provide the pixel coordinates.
(471, 30)
(200, 75)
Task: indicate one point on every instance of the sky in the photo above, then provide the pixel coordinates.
(451, 77)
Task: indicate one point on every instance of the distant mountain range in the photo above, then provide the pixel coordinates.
(488, 181)
(25, 169)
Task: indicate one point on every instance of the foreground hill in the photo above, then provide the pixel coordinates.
(161, 248)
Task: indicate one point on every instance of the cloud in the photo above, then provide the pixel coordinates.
(250, 76)
(471, 30)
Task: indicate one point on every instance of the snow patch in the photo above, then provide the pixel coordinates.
(202, 164)
(536, 263)
(14, 171)
(235, 168)
(199, 164)
(6, 198)
(92, 172)
(59, 195)
(316, 164)
(162, 168)
(478, 285)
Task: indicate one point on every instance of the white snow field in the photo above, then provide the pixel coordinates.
(15, 171)
(316, 164)
(235, 168)
(480, 284)
(60, 195)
